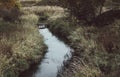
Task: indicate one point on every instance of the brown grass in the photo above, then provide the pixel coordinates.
(20, 45)
(98, 48)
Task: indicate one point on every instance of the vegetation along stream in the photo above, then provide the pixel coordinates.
(57, 53)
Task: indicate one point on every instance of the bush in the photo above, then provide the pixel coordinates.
(60, 27)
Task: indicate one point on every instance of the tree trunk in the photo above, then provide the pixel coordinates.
(100, 10)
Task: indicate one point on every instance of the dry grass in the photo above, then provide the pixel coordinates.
(52, 11)
(45, 11)
(29, 3)
(110, 38)
(100, 47)
(97, 47)
(20, 45)
(87, 71)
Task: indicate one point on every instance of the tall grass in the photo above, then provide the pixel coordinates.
(60, 27)
(98, 48)
(20, 45)
(52, 12)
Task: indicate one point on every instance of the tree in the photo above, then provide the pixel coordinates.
(117, 1)
(99, 4)
(114, 4)
(83, 9)
(8, 3)
(9, 9)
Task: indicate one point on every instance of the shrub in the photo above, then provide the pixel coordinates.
(60, 27)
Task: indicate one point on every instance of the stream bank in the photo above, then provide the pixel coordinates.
(56, 56)
(93, 54)
(20, 45)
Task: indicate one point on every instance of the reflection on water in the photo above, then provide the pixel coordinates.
(57, 53)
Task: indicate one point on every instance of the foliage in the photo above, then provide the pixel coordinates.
(48, 2)
(60, 27)
(98, 48)
(9, 9)
(20, 45)
(9, 3)
(82, 9)
(45, 12)
(117, 1)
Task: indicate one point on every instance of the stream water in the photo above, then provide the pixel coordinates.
(57, 53)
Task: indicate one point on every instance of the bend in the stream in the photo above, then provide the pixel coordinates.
(57, 53)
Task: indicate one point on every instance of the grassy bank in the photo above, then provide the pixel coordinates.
(96, 49)
(20, 45)
(45, 12)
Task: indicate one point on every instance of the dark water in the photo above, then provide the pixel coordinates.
(57, 53)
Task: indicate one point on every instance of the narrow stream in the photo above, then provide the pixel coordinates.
(57, 53)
